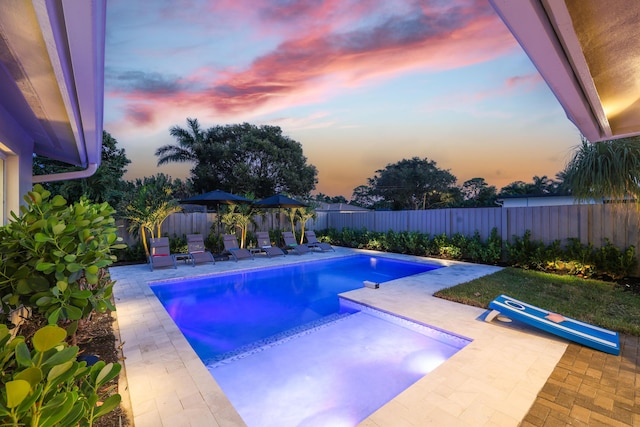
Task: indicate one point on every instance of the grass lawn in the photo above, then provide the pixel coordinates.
(600, 303)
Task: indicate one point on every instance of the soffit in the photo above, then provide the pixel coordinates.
(51, 85)
(588, 52)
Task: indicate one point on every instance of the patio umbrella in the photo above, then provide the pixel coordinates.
(278, 201)
(213, 199)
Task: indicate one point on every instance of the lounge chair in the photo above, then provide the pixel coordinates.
(314, 243)
(565, 327)
(232, 248)
(197, 250)
(290, 244)
(264, 244)
(160, 253)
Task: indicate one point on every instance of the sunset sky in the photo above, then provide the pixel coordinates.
(359, 83)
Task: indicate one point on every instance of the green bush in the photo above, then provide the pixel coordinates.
(53, 257)
(46, 386)
(523, 252)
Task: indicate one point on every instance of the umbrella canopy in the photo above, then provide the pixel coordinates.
(279, 201)
(215, 199)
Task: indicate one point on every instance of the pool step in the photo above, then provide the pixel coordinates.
(272, 340)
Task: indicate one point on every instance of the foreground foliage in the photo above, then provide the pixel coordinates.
(45, 384)
(53, 257)
(600, 303)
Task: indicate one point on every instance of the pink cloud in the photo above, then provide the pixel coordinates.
(323, 58)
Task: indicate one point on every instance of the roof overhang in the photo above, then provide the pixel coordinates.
(52, 75)
(588, 52)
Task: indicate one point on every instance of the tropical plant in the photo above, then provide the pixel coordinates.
(606, 169)
(240, 217)
(46, 385)
(148, 205)
(303, 215)
(53, 257)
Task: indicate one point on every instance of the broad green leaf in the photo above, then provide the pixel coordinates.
(54, 316)
(58, 200)
(108, 405)
(70, 258)
(17, 390)
(63, 356)
(74, 415)
(73, 267)
(43, 301)
(73, 313)
(4, 331)
(107, 373)
(59, 228)
(62, 285)
(42, 266)
(41, 238)
(32, 375)
(56, 409)
(48, 337)
(58, 370)
(23, 355)
(35, 197)
(92, 269)
(82, 294)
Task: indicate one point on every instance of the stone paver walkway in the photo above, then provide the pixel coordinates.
(591, 388)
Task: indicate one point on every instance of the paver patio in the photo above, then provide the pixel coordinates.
(494, 381)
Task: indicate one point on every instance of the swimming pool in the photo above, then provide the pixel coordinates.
(335, 362)
(226, 313)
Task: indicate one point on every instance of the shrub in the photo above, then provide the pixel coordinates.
(574, 258)
(46, 386)
(53, 257)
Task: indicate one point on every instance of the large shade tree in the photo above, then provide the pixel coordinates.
(415, 184)
(241, 158)
(607, 169)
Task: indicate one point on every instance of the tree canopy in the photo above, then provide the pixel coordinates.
(414, 184)
(476, 193)
(241, 158)
(105, 185)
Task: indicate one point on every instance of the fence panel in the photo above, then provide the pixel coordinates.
(589, 223)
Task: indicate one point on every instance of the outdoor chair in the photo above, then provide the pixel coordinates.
(232, 248)
(314, 243)
(293, 246)
(197, 250)
(160, 253)
(264, 244)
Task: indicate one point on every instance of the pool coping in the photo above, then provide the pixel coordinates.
(492, 381)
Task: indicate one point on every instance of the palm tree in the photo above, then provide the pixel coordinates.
(190, 144)
(607, 169)
(239, 216)
(305, 214)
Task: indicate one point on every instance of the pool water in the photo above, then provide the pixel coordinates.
(223, 314)
(288, 351)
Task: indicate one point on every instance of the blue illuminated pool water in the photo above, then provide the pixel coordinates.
(223, 313)
(288, 352)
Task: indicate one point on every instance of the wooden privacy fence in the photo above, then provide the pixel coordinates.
(589, 223)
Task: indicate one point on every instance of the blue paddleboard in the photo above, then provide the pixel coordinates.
(565, 327)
